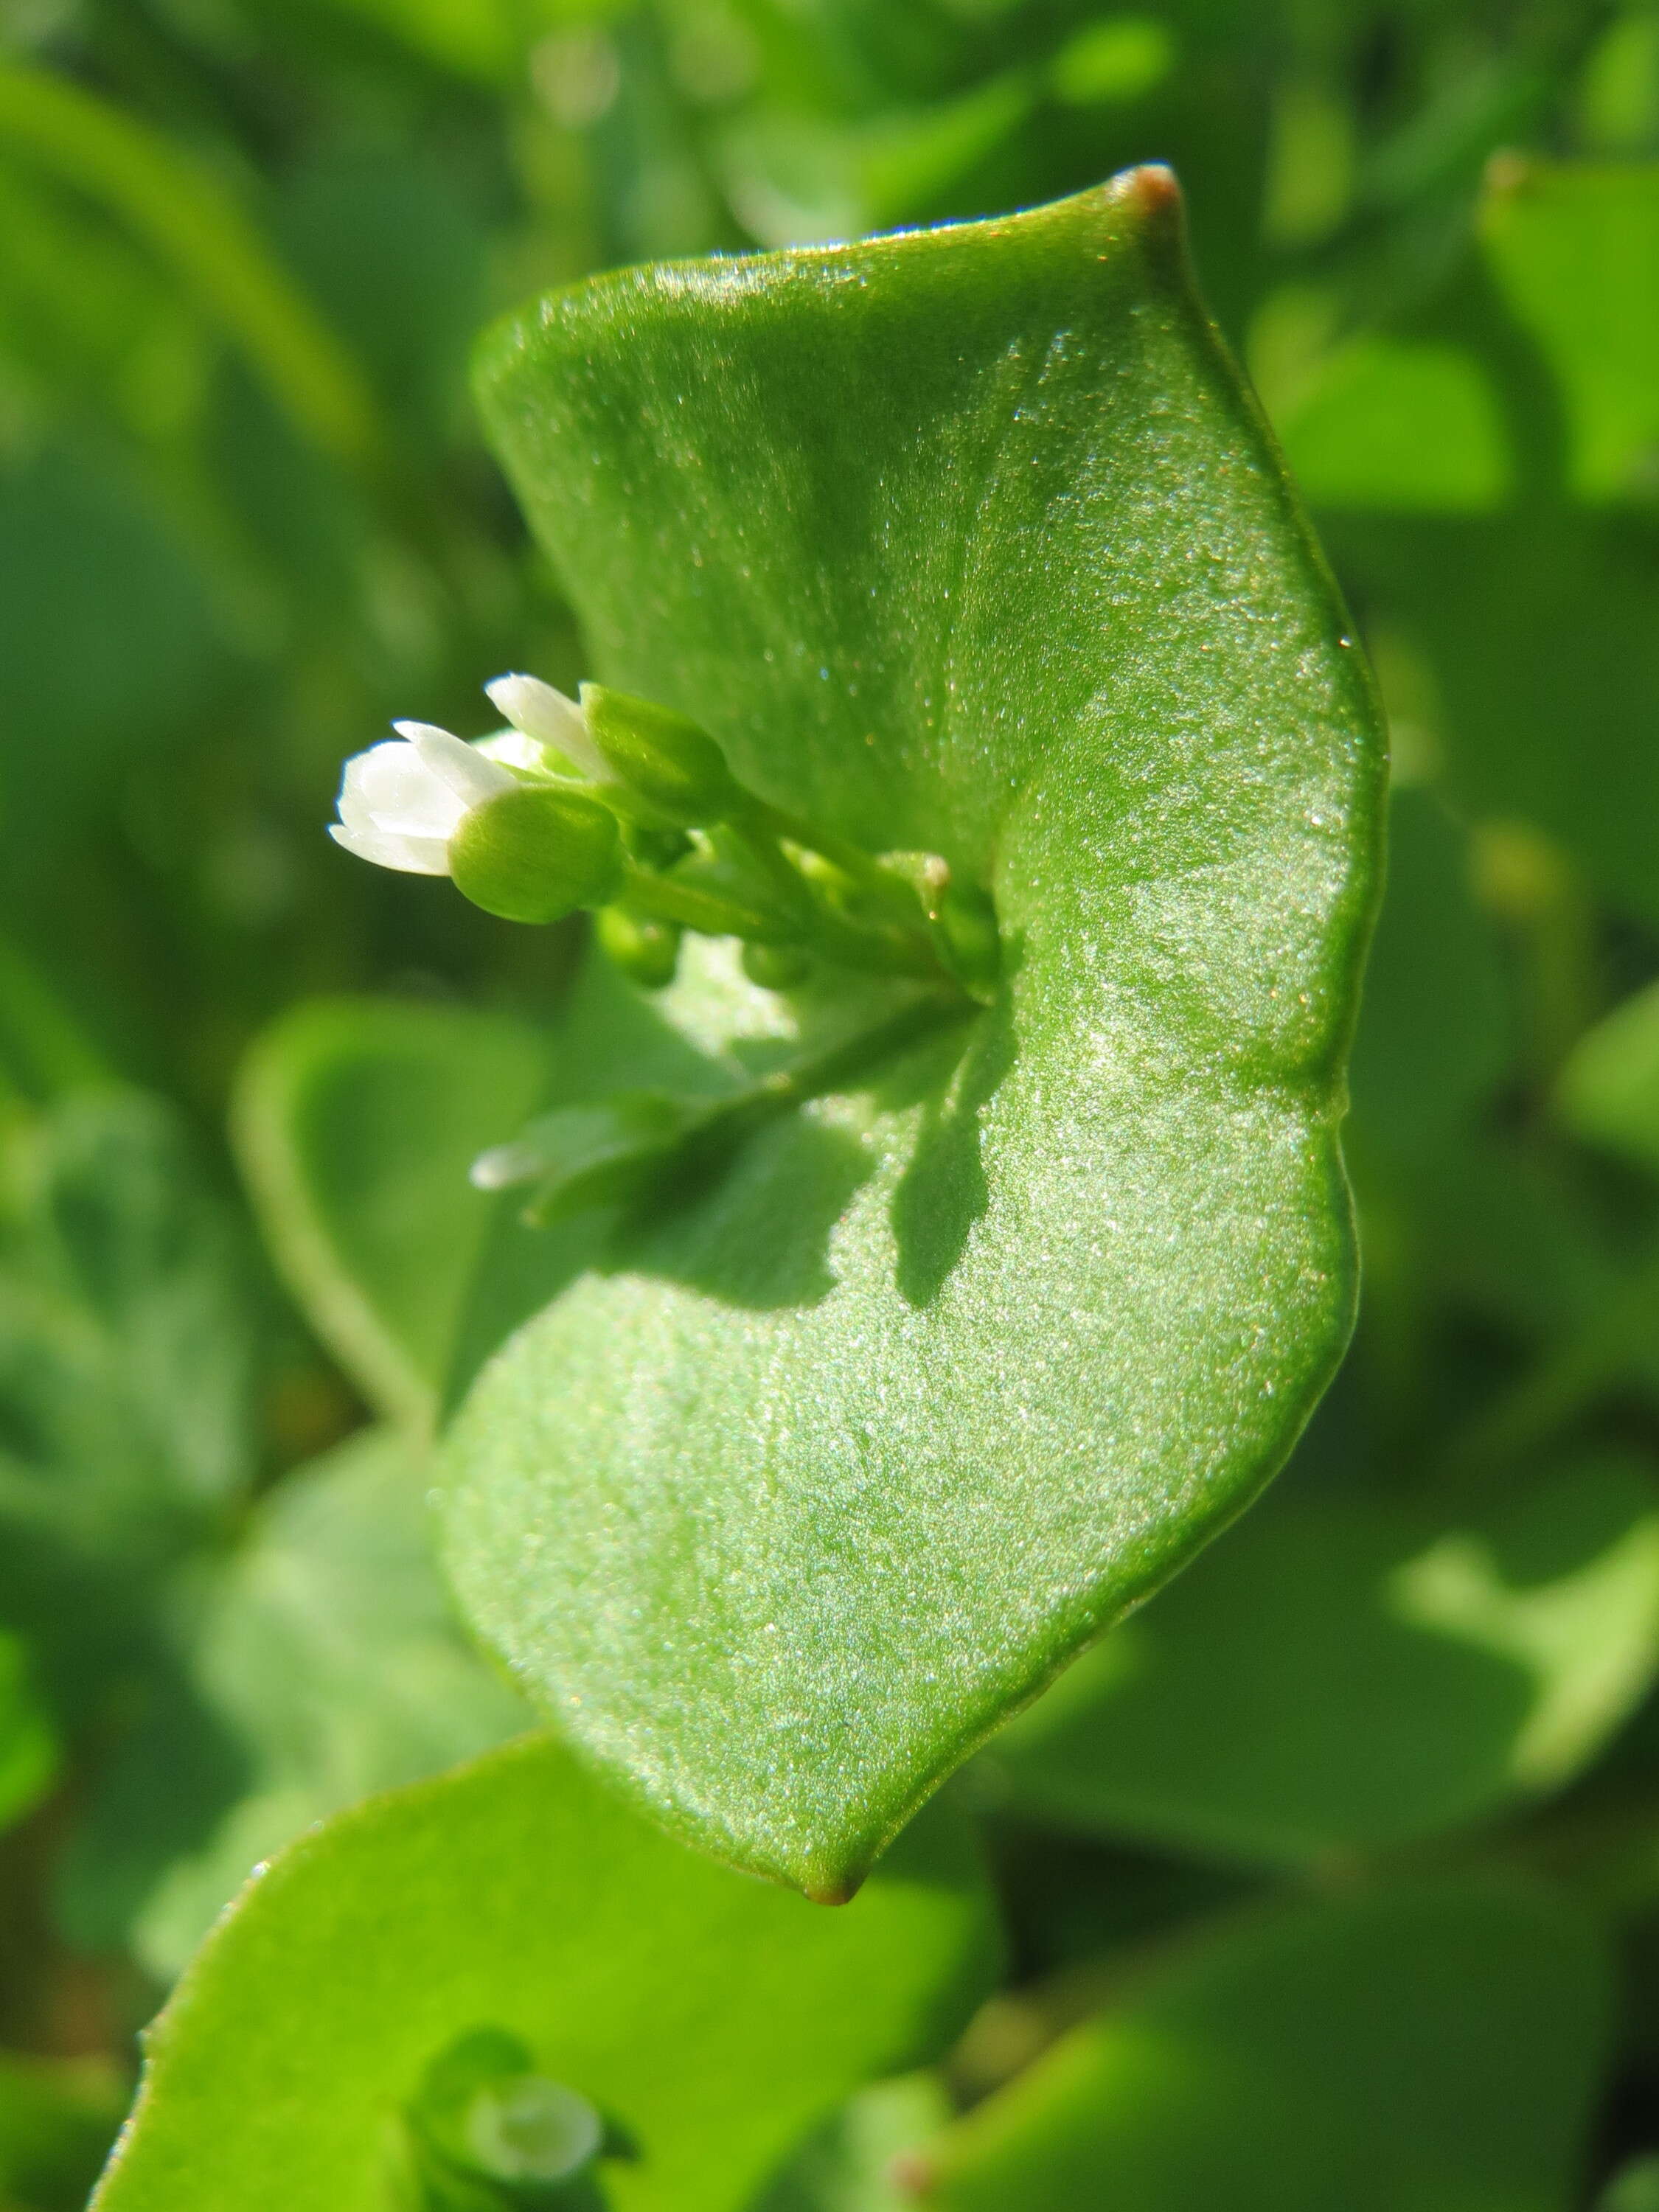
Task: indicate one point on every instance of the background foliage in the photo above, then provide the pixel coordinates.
(1384, 1765)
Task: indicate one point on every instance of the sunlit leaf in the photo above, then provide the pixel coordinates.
(966, 542)
(1574, 248)
(1407, 2048)
(711, 2018)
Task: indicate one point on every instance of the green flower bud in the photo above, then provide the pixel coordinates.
(776, 967)
(537, 854)
(663, 759)
(647, 951)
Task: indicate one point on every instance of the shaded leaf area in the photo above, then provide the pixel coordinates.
(709, 2017)
(1345, 1672)
(227, 1670)
(967, 541)
(1388, 2052)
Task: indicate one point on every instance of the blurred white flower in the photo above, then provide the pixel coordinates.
(401, 802)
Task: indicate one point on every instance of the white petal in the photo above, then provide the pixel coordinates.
(413, 856)
(514, 750)
(459, 767)
(546, 715)
(391, 788)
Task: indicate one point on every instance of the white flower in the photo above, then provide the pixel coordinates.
(551, 719)
(401, 802)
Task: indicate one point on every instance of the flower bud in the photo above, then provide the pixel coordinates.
(647, 951)
(776, 967)
(536, 853)
(662, 759)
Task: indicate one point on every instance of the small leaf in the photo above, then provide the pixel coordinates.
(1414, 2048)
(1348, 1672)
(356, 1121)
(965, 542)
(710, 2019)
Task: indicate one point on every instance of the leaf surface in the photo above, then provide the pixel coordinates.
(712, 2019)
(967, 541)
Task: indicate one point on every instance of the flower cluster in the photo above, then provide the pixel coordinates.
(627, 808)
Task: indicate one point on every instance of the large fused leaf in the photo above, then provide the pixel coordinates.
(1404, 2051)
(711, 2018)
(966, 541)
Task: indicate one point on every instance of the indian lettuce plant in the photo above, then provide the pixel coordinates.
(751, 1549)
(933, 1227)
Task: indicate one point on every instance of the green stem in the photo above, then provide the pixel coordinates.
(840, 1066)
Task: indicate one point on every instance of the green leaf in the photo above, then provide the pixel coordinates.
(1565, 242)
(1343, 1671)
(356, 1121)
(965, 542)
(325, 1654)
(1395, 2052)
(710, 2019)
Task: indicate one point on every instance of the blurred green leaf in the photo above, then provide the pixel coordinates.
(1390, 427)
(869, 517)
(325, 1654)
(57, 2119)
(710, 2018)
(1634, 2188)
(1396, 2052)
(28, 1749)
(127, 1353)
(1433, 1038)
(1608, 1091)
(356, 1121)
(1343, 1672)
(182, 212)
(852, 2163)
(1576, 250)
(1540, 633)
